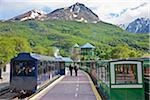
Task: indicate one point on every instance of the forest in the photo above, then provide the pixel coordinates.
(42, 36)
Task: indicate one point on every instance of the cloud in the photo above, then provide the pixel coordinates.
(114, 15)
(138, 6)
(111, 11)
(130, 15)
(11, 9)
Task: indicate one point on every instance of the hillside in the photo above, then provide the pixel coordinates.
(41, 36)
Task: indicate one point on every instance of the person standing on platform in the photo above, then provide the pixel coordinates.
(76, 70)
(70, 68)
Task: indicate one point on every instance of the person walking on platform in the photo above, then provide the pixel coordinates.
(76, 70)
(70, 68)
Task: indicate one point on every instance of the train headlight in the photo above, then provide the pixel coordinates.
(33, 68)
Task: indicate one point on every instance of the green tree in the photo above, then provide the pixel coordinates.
(20, 44)
(75, 53)
(6, 52)
(39, 50)
(120, 51)
(49, 51)
(133, 54)
(64, 53)
(9, 47)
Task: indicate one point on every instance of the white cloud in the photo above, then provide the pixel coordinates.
(131, 15)
(103, 8)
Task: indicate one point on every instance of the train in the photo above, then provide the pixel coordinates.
(28, 71)
(117, 79)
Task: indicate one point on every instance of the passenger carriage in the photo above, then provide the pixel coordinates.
(120, 79)
(89, 67)
(61, 63)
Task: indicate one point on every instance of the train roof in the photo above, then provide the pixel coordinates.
(126, 59)
(42, 57)
(65, 59)
(145, 58)
(33, 56)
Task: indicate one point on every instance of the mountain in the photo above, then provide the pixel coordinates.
(76, 12)
(140, 25)
(33, 14)
(65, 31)
(64, 34)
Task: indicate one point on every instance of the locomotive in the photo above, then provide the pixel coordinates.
(29, 71)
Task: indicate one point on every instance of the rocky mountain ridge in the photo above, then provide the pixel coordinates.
(77, 12)
(140, 25)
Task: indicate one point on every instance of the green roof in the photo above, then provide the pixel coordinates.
(87, 46)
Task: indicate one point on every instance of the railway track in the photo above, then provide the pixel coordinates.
(7, 94)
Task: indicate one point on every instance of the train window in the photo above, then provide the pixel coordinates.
(23, 68)
(126, 73)
(48, 66)
(146, 70)
(39, 68)
(62, 66)
(107, 74)
(41, 63)
(44, 70)
(103, 74)
(51, 69)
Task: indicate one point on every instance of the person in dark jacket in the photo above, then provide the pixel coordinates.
(76, 70)
(70, 68)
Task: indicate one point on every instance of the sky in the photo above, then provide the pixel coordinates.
(111, 11)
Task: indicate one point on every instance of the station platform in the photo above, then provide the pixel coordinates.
(69, 87)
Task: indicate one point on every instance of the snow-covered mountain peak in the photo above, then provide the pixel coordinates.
(140, 25)
(33, 14)
(76, 12)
